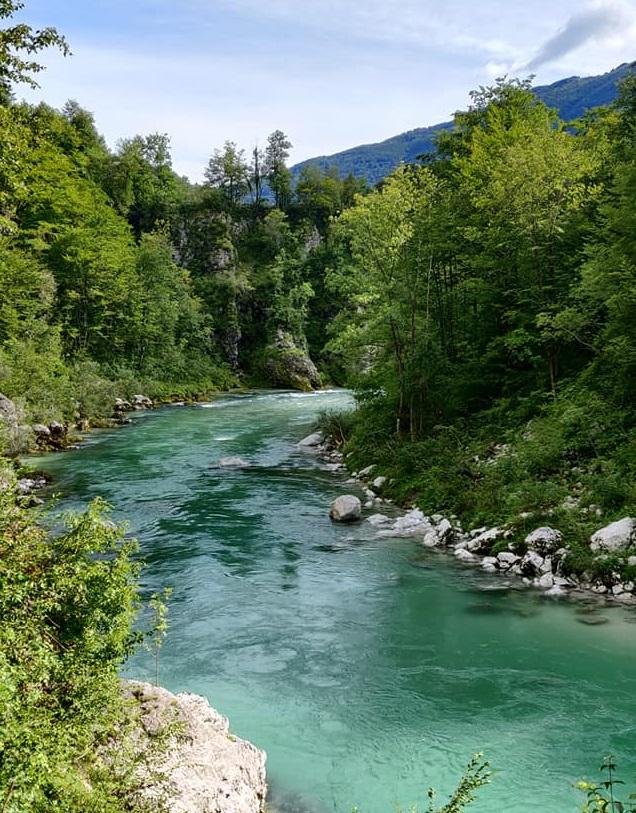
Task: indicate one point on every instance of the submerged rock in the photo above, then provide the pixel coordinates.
(204, 768)
(232, 463)
(347, 508)
(378, 519)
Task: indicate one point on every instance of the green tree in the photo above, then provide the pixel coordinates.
(18, 43)
(278, 175)
(228, 171)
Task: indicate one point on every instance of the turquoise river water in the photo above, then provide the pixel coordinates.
(367, 669)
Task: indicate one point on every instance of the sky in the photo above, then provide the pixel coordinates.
(331, 73)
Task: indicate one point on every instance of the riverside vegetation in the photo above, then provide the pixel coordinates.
(489, 324)
(482, 303)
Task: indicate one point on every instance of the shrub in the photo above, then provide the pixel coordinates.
(67, 604)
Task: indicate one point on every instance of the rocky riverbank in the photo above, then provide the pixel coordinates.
(542, 559)
(201, 767)
(19, 436)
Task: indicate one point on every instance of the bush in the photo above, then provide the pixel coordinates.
(67, 604)
(337, 426)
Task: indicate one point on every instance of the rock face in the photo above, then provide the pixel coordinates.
(288, 365)
(346, 509)
(616, 536)
(204, 768)
(13, 436)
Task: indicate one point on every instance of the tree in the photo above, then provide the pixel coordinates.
(141, 182)
(278, 176)
(256, 175)
(228, 171)
(17, 43)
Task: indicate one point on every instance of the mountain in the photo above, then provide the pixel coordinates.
(571, 97)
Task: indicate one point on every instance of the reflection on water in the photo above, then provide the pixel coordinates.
(368, 669)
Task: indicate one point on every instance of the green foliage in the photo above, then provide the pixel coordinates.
(18, 43)
(477, 775)
(67, 603)
(489, 321)
(372, 163)
(602, 797)
(337, 426)
(159, 625)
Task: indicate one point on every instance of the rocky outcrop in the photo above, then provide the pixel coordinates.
(14, 437)
(287, 365)
(540, 560)
(202, 768)
(141, 402)
(346, 509)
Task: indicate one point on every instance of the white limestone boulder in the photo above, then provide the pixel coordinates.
(346, 508)
(615, 537)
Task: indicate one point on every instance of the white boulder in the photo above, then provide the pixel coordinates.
(531, 563)
(444, 530)
(483, 542)
(347, 508)
(378, 519)
(311, 441)
(431, 539)
(616, 536)
(141, 402)
(379, 483)
(544, 540)
(506, 559)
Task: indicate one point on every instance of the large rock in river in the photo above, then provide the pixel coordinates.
(287, 365)
(346, 509)
(204, 768)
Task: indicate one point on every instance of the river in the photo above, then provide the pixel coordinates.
(367, 669)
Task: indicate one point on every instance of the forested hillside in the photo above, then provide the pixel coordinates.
(119, 277)
(571, 97)
(491, 315)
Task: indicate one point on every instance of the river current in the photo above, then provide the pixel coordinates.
(368, 669)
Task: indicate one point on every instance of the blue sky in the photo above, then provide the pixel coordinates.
(331, 73)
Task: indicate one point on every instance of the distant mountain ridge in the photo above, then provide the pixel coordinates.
(571, 97)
